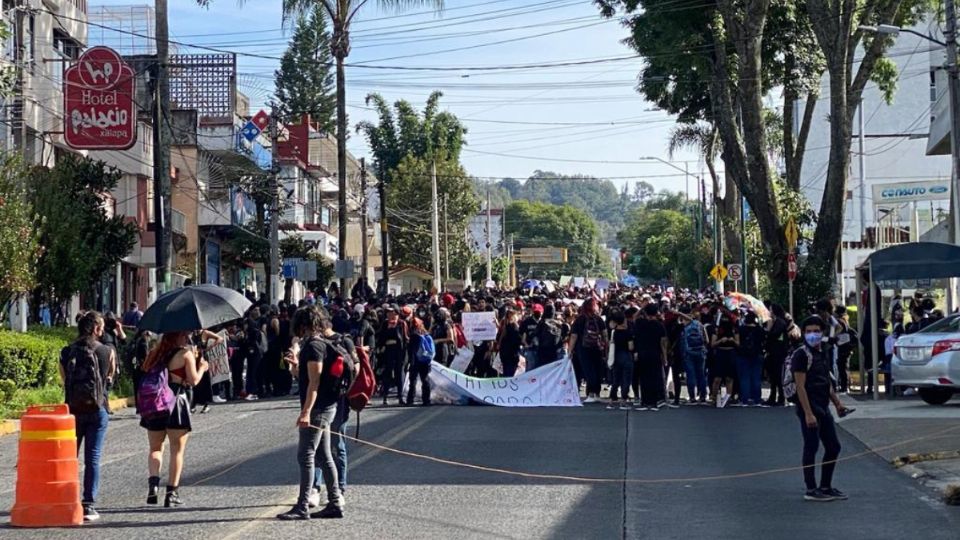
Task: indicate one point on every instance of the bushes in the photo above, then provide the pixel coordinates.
(30, 360)
(13, 404)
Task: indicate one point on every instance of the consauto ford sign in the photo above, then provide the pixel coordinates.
(899, 192)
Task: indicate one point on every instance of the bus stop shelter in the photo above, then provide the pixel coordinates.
(912, 261)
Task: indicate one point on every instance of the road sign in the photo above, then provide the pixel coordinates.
(792, 267)
(344, 268)
(792, 234)
(735, 272)
(547, 255)
(250, 131)
(98, 107)
(261, 120)
(718, 272)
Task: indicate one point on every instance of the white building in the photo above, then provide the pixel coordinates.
(894, 155)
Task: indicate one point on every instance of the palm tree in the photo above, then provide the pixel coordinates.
(342, 13)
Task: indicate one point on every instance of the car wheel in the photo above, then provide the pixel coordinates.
(936, 396)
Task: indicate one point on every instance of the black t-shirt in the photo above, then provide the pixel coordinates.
(777, 341)
(529, 328)
(316, 350)
(510, 343)
(818, 375)
(751, 340)
(647, 336)
(622, 339)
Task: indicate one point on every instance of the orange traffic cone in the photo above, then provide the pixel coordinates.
(48, 486)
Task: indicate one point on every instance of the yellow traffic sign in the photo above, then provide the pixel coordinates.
(718, 272)
(792, 234)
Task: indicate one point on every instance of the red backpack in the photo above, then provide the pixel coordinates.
(363, 386)
(459, 336)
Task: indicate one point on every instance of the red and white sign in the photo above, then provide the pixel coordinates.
(98, 107)
(261, 120)
(792, 266)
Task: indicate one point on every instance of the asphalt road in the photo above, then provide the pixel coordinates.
(241, 471)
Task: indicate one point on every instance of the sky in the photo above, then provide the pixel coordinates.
(585, 119)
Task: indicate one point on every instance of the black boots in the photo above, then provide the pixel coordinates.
(153, 491)
(173, 497)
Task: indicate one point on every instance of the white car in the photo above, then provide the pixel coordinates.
(929, 361)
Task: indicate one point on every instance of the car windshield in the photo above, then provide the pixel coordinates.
(944, 326)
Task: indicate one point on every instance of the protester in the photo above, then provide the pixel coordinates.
(811, 366)
(321, 367)
(420, 364)
(724, 342)
(528, 329)
(392, 340)
(175, 355)
(750, 361)
(694, 344)
(650, 342)
(444, 338)
(550, 336)
(85, 367)
(846, 343)
(255, 345)
(509, 344)
(588, 344)
(623, 364)
(131, 318)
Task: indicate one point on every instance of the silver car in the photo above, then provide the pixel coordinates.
(929, 360)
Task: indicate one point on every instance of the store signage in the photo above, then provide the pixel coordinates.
(99, 109)
(899, 192)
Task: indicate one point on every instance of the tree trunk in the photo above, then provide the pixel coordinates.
(341, 161)
(793, 171)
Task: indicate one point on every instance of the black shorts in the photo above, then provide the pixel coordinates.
(179, 418)
(723, 365)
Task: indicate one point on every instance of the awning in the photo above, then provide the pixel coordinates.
(916, 260)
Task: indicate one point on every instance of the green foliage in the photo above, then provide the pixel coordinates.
(14, 403)
(79, 240)
(19, 240)
(30, 360)
(660, 244)
(885, 75)
(304, 81)
(244, 247)
(537, 224)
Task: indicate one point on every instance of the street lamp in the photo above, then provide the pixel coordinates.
(684, 170)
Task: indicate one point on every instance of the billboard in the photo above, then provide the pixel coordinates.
(548, 255)
(901, 192)
(98, 106)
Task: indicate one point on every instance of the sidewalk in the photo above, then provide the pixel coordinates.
(910, 429)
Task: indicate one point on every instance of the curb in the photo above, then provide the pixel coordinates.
(919, 458)
(9, 427)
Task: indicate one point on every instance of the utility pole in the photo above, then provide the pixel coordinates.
(435, 226)
(863, 176)
(384, 231)
(446, 242)
(274, 278)
(489, 245)
(162, 208)
(950, 35)
(364, 243)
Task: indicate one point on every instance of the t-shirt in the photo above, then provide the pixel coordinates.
(315, 350)
(622, 339)
(510, 343)
(777, 341)
(751, 340)
(818, 381)
(647, 336)
(529, 328)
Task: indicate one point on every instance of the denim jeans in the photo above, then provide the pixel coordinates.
(750, 375)
(622, 373)
(694, 365)
(91, 431)
(337, 431)
(530, 355)
(309, 458)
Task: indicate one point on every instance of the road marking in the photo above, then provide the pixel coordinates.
(405, 430)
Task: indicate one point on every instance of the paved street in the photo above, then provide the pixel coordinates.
(241, 471)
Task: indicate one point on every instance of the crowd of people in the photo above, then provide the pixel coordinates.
(652, 348)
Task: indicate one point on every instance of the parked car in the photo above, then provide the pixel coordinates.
(929, 361)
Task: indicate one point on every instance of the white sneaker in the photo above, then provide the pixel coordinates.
(252, 397)
(590, 399)
(724, 400)
(218, 399)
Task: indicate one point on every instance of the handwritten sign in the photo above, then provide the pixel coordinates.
(480, 326)
(219, 360)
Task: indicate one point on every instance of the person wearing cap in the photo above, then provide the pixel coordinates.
(528, 330)
(392, 352)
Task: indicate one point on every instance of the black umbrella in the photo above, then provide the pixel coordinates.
(193, 308)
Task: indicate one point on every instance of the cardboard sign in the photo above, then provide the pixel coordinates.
(480, 326)
(219, 360)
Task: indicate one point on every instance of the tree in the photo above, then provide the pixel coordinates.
(660, 245)
(80, 241)
(839, 36)
(19, 240)
(341, 13)
(537, 224)
(304, 81)
(404, 143)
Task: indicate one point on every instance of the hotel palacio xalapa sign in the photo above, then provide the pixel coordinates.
(98, 102)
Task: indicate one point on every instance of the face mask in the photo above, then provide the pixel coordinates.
(813, 338)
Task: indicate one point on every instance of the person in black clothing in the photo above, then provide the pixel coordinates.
(846, 343)
(529, 329)
(750, 361)
(444, 338)
(777, 346)
(392, 353)
(255, 345)
(550, 336)
(508, 344)
(812, 367)
(115, 338)
(650, 342)
(588, 344)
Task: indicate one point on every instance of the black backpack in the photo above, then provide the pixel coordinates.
(549, 335)
(84, 386)
(336, 348)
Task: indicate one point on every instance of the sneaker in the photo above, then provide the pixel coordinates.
(590, 399)
(673, 405)
(764, 405)
(624, 406)
(836, 494)
(313, 500)
(723, 401)
(331, 511)
(817, 495)
(295, 513)
(661, 403)
(613, 406)
(654, 409)
(90, 513)
(205, 409)
(218, 399)
(717, 400)
(641, 408)
(251, 397)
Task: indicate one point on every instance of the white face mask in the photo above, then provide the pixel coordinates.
(813, 338)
